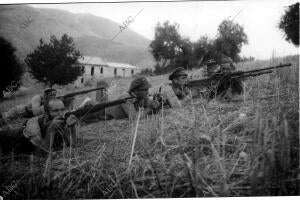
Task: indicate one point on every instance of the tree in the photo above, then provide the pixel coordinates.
(204, 49)
(11, 70)
(166, 44)
(56, 62)
(230, 38)
(185, 55)
(289, 24)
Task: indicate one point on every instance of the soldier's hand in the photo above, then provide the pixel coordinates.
(57, 120)
(71, 120)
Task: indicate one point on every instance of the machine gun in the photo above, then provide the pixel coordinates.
(225, 85)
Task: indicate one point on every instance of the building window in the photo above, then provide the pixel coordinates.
(82, 80)
(92, 71)
(132, 72)
(123, 72)
(101, 70)
(115, 72)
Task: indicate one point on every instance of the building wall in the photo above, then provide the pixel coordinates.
(96, 72)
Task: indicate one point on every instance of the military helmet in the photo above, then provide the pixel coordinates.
(139, 83)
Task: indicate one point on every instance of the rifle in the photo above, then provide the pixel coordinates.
(221, 82)
(95, 108)
(72, 94)
(12, 133)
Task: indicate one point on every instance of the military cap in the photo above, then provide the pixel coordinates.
(177, 73)
(139, 83)
(48, 90)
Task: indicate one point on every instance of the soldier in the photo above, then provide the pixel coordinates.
(226, 65)
(46, 132)
(34, 108)
(177, 93)
(228, 89)
(211, 67)
(139, 88)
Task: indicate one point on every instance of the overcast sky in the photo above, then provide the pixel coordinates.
(259, 18)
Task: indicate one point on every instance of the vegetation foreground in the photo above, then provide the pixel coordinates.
(244, 148)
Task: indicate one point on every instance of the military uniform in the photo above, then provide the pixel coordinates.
(124, 110)
(211, 68)
(34, 108)
(39, 133)
(26, 111)
(45, 134)
(175, 96)
(226, 65)
(228, 88)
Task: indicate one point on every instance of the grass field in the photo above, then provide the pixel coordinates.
(206, 149)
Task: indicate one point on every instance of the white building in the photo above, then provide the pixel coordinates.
(95, 68)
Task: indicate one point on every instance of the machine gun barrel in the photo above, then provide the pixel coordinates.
(206, 82)
(261, 69)
(200, 82)
(252, 74)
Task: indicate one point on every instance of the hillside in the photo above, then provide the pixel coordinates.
(25, 25)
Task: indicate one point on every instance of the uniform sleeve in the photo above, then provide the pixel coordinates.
(36, 107)
(168, 93)
(32, 132)
(188, 96)
(129, 109)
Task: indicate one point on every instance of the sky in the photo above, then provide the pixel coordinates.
(260, 20)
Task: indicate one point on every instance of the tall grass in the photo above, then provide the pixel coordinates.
(245, 148)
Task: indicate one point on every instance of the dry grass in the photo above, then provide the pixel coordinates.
(247, 148)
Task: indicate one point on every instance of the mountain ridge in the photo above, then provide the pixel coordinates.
(24, 26)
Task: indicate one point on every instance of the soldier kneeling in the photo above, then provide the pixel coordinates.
(47, 132)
